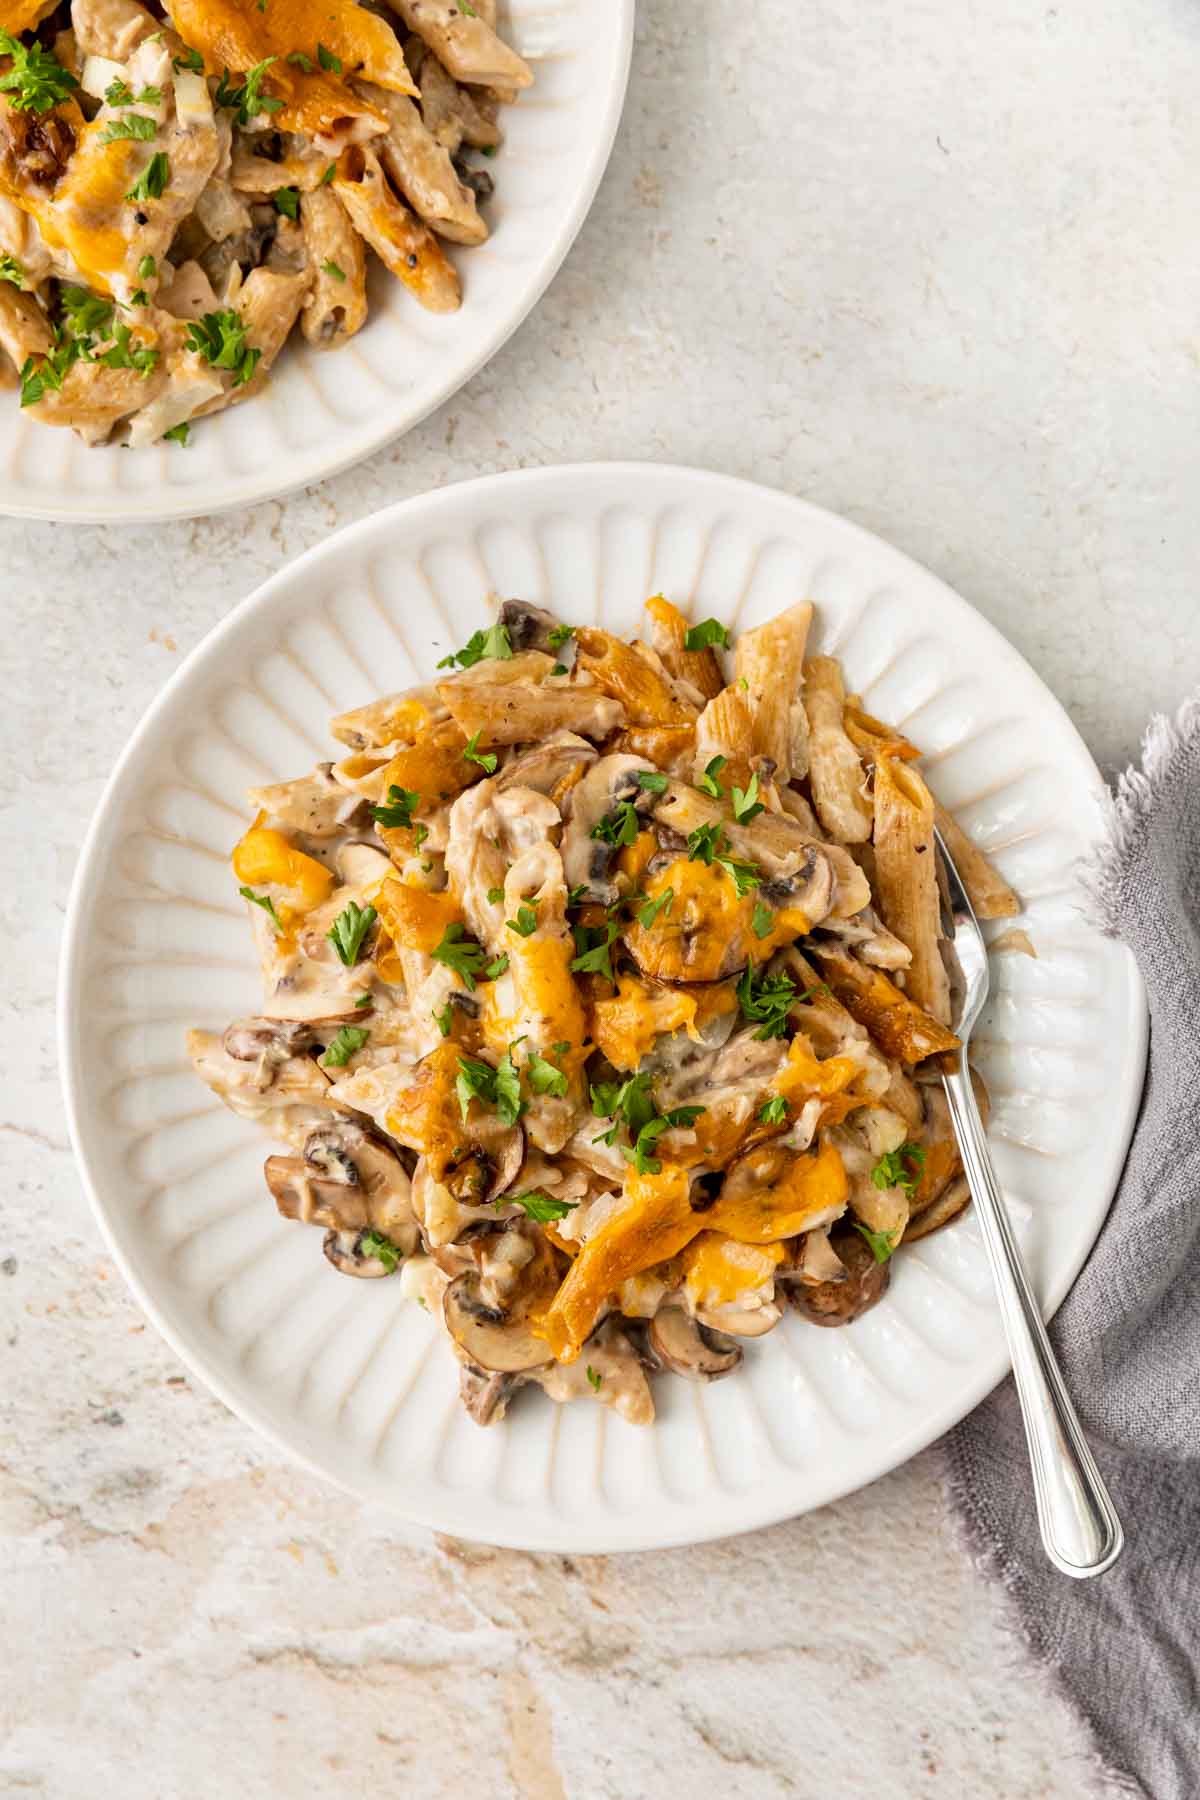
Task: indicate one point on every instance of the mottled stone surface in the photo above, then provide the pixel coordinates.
(937, 270)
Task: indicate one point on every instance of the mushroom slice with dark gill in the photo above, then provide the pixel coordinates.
(533, 628)
(345, 1250)
(487, 1337)
(347, 1180)
(274, 1040)
(587, 859)
(840, 1302)
(688, 1348)
(486, 1394)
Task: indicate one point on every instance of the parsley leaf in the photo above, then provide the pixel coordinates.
(118, 93)
(373, 1243)
(465, 957)
(708, 783)
(640, 1153)
(331, 268)
(220, 338)
(178, 434)
(576, 896)
(37, 81)
(497, 968)
(882, 1242)
(147, 269)
(267, 905)
(494, 643)
(125, 353)
(248, 100)
(328, 61)
(559, 636)
(136, 127)
(301, 61)
(618, 827)
(397, 811)
(464, 6)
(746, 806)
(648, 913)
(495, 895)
(705, 635)
(11, 270)
(442, 1019)
(900, 1168)
(349, 1039)
(653, 782)
(744, 875)
(151, 183)
(544, 1078)
(191, 59)
(499, 1087)
(540, 1206)
(595, 1382)
(763, 922)
(328, 176)
(766, 999)
(348, 931)
(485, 758)
(525, 923)
(593, 945)
(629, 1102)
(774, 1111)
(86, 313)
(363, 1000)
(287, 202)
(703, 843)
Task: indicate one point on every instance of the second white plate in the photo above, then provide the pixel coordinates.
(347, 1375)
(322, 411)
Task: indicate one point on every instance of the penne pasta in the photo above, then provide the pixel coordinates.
(836, 774)
(906, 880)
(402, 243)
(768, 666)
(464, 43)
(989, 893)
(421, 169)
(668, 631)
(646, 693)
(335, 306)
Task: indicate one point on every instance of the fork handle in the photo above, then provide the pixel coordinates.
(1080, 1529)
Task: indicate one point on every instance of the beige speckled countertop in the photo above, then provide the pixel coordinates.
(931, 268)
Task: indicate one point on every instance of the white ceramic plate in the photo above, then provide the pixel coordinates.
(347, 1375)
(322, 411)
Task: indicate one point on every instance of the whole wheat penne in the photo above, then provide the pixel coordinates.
(421, 169)
(906, 881)
(668, 632)
(335, 306)
(835, 772)
(768, 664)
(464, 43)
(987, 890)
(408, 248)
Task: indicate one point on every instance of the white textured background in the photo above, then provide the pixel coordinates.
(936, 267)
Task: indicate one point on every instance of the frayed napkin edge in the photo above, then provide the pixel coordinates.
(971, 1539)
(1126, 811)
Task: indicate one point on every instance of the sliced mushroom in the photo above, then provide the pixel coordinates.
(311, 1199)
(586, 859)
(274, 1040)
(349, 1179)
(344, 1250)
(488, 1166)
(488, 1337)
(290, 1097)
(864, 1282)
(562, 757)
(947, 1206)
(485, 1394)
(532, 627)
(692, 1349)
(749, 1321)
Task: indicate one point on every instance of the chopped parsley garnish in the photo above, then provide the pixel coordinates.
(11, 270)
(248, 100)
(624, 1102)
(119, 93)
(50, 371)
(640, 1153)
(900, 1168)
(397, 811)
(88, 315)
(525, 923)
(766, 999)
(125, 353)
(301, 61)
(652, 781)
(151, 183)
(593, 945)
(37, 81)
(746, 806)
(331, 269)
(618, 827)
(595, 1382)
(287, 202)
(191, 59)
(328, 61)
(328, 176)
(708, 783)
(495, 896)
(220, 338)
(373, 1243)
(363, 1000)
(774, 1111)
(178, 434)
(139, 297)
(443, 1019)
(485, 758)
(745, 876)
(648, 913)
(544, 1078)
(576, 896)
(882, 1243)
(349, 1038)
(496, 969)
(559, 636)
(707, 845)
(705, 635)
(499, 1087)
(540, 1206)
(763, 922)
(267, 905)
(147, 269)
(464, 6)
(136, 127)
(464, 956)
(494, 643)
(348, 931)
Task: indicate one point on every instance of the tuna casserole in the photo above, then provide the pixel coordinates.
(182, 183)
(603, 988)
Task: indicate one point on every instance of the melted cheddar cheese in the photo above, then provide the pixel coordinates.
(426, 1115)
(718, 1270)
(435, 768)
(265, 857)
(627, 1025)
(706, 931)
(84, 214)
(414, 918)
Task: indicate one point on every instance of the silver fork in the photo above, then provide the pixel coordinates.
(1080, 1529)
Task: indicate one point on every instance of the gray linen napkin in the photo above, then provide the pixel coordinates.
(1125, 1647)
